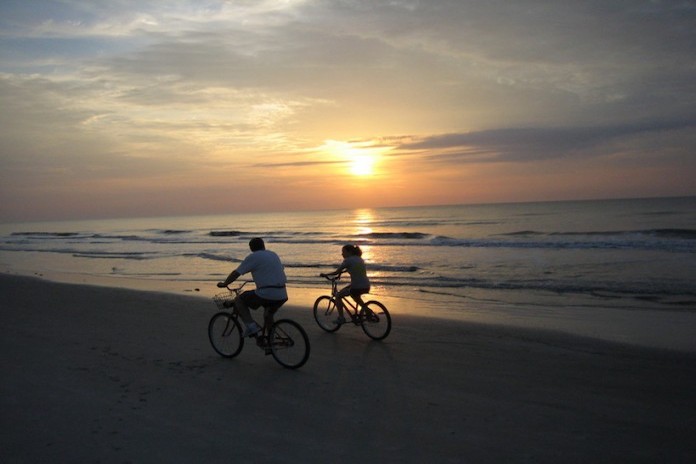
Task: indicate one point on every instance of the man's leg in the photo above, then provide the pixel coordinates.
(243, 309)
(268, 319)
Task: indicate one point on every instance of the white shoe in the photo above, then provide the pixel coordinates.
(251, 330)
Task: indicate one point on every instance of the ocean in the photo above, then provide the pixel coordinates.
(629, 254)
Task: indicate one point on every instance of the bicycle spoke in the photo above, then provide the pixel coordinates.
(376, 320)
(281, 339)
(225, 335)
(289, 343)
(325, 313)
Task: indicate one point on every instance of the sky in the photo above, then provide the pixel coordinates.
(126, 108)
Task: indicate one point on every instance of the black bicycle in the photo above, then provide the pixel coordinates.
(286, 340)
(373, 317)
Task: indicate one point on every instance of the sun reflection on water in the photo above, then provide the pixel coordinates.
(363, 222)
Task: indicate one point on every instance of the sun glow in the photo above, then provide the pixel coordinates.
(362, 165)
(361, 158)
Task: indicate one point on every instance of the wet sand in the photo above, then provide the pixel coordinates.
(98, 374)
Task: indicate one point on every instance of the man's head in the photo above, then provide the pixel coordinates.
(256, 244)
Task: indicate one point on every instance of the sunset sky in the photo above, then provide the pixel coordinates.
(135, 108)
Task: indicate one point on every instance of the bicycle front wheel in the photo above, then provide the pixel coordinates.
(289, 343)
(325, 313)
(225, 335)
(376, 320)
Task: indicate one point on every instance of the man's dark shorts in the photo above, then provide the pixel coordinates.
(254, 301)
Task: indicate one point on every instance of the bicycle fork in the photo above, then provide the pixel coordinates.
(231, 324)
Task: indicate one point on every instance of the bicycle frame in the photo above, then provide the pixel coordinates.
(371, 315)
(285, 339)
(234, 313)
(350, 305)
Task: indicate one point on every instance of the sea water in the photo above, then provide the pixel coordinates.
(630, 254)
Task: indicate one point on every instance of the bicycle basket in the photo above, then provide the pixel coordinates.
(224, 300)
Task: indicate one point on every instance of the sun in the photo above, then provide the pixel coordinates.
(362, 165)
(360, 158)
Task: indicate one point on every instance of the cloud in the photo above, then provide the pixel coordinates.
(164, 90)
(295, 164)
(535, 144)
(601, 55)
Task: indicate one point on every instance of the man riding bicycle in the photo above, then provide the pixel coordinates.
(269, 275)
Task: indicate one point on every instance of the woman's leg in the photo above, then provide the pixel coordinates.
(357, 297)
(340, 295)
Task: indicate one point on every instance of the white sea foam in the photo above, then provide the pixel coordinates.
(628, 250)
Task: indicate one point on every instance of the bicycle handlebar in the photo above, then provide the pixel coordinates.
(331, 277)
(236, 290)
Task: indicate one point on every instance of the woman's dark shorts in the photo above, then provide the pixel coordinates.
(359, 291)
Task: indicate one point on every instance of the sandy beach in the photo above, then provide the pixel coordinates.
(97, 374)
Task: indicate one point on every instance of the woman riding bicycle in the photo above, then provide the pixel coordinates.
(359, 282)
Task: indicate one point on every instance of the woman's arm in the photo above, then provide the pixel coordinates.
(338, 271)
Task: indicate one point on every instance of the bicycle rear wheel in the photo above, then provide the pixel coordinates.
(376, 320)
(325, 313)
(289, 343)
(225, 335)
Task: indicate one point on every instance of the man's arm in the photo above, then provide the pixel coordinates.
(234, 275)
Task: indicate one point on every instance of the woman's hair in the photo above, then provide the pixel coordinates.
(353, 250)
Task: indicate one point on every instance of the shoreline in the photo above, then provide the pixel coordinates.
(651, 328)
(113, 375)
